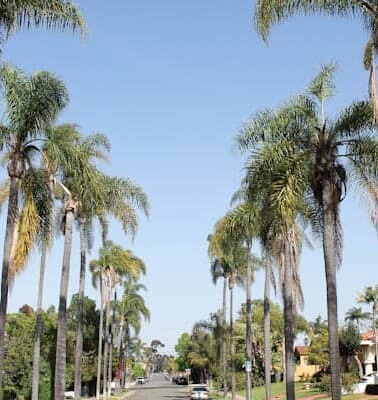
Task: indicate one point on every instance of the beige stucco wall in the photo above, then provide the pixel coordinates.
(303, 372)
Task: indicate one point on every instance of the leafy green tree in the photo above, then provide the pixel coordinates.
(349, 342)
(318, 351)
(182, 350)
(306, 160)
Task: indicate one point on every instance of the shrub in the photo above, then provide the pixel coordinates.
(325, 384)
(348, 380)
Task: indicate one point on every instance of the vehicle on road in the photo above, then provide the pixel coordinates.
(199, 392)
(369, 378)
(141, 380)
(181, 380)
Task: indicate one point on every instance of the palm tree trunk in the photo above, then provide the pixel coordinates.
(80, 311)
(375, 336)
(100, 334)
(267, 350)
(248, 363)
(232, 344)
(60, 362)
(38, 325)
(12, 218)
(224, 343)
(38, 322)
(289, 321)
(330, 271)
(106, 345)
(110, 366)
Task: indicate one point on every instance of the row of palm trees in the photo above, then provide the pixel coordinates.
(47, 163)
(299, 165)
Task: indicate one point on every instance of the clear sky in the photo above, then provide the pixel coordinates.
(171, 82)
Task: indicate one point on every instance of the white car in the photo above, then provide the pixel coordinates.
(369, 378)
(199, 392)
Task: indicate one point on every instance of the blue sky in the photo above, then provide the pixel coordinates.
(171, 82)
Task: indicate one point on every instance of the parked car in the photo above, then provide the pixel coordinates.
(181, 380)
(369, 378)
(141, 380)
(199, 392)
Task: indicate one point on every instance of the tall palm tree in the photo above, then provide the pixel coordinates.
(130, 310)
(58, 142)
(31, 103)
(114, 262)
(242, 225)
(305, 160)
(271, 12)
(81, 182)
(370, 297)
(220, 269)
(229, 263)
(90, 200)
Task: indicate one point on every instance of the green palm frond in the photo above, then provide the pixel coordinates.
(323, 86)
(49, 14)
(272, 12)
(355, 121)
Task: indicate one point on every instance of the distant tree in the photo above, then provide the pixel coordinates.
(349, 342)
(357, 316)
(182, 349)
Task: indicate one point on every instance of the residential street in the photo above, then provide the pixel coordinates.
(158, 388)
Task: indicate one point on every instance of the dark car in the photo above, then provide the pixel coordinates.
(181, 380)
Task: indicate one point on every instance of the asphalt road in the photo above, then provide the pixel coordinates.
(158, 388)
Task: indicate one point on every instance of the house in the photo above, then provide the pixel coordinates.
(367, 352)
(303, 370)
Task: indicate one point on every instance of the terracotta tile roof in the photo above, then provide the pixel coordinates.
(302, 350)
(368, 336)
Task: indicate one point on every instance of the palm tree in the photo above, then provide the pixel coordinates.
(305, 159)
(356, 315)
(370, 297)
(89, 201)
(242, 225)
(130, 309)
(81, 182)
(228, 261)
(31, 103)
(113, 262)
(221, 269)
(271, 12)
(57, 145)
(50, 14)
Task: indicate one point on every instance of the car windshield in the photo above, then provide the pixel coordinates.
(199, 389)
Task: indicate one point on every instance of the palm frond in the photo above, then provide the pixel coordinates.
(28, 229)
(53, 15)
(272, 12)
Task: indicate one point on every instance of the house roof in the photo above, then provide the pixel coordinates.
(368, 336)
(301, 350)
